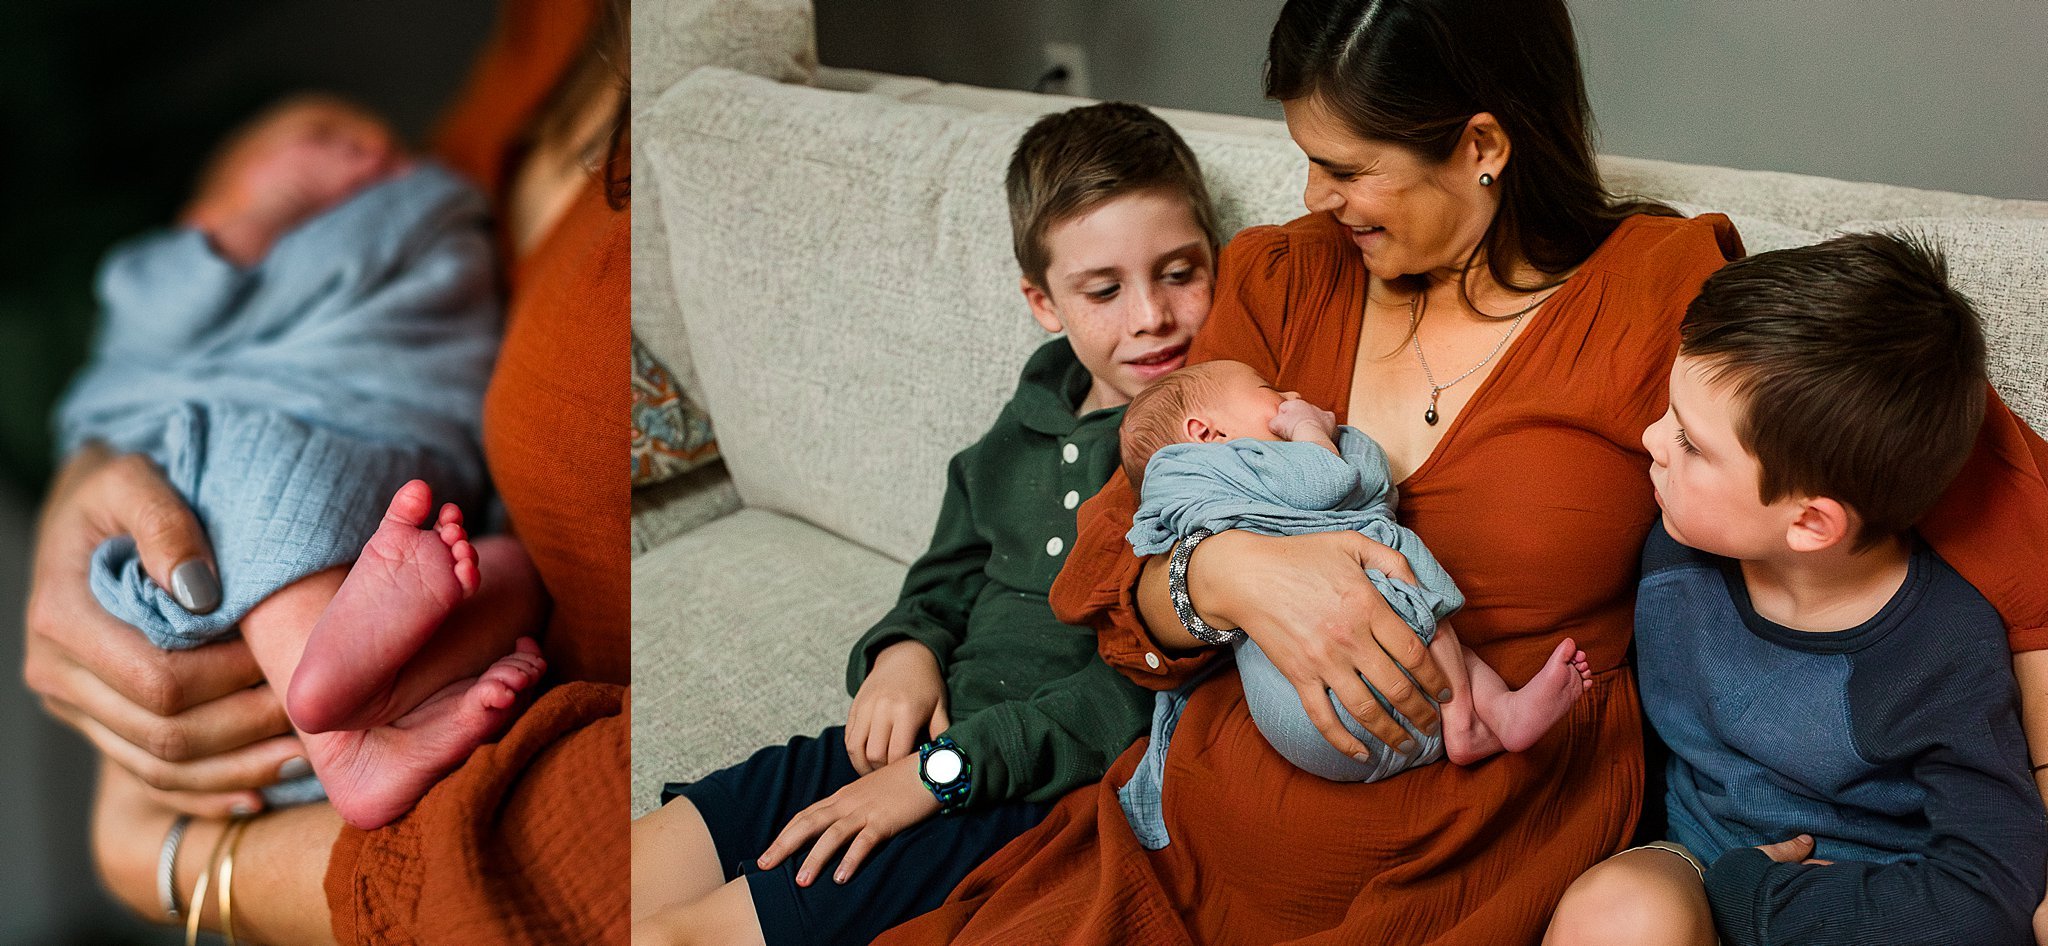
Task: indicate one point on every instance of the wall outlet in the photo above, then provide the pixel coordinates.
(1066, 70)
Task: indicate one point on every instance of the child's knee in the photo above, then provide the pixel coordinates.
(1635, 899)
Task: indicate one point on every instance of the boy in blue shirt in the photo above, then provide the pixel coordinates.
(1847, 763)
(970, 697)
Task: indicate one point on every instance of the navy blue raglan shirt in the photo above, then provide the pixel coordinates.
(1896, 744)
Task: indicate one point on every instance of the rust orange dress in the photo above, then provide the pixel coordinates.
(526, 843)
(1537, 500)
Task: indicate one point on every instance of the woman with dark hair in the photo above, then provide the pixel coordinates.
(1466, 292)
(524, 843)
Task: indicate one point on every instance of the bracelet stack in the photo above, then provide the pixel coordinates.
(1177, 589)
(218, 877)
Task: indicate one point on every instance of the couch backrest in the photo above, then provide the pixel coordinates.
(843, 269)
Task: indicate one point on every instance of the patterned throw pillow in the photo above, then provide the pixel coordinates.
(671, 434)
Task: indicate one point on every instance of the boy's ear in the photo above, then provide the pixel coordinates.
(1042, 311)
(1821, 523)
(1198, 430)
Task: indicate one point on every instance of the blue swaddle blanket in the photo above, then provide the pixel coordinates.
(287, 402)
(1279, 488)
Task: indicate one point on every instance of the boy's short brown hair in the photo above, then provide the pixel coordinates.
(1859, 372)
(1069, 162)
(1155, 418)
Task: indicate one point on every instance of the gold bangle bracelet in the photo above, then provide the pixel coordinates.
(196, 904)
(225, 886)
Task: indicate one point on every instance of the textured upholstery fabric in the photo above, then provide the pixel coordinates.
(771, 38)
(745, 622)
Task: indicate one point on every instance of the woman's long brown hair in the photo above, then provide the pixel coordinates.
(603, 67)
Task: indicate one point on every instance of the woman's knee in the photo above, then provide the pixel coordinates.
(1641, 898)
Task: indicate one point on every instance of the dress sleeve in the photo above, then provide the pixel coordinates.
(521, 845)
(940, 588)
(1098, 585)
(1992, 524)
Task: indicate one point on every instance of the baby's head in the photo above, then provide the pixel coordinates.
(1821, 394)
(293, 161)
(1211, 402)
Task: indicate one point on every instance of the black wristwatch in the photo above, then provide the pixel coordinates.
(944, 769)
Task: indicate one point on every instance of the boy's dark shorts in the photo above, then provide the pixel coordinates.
(747, 805)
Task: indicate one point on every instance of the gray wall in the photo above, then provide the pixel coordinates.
(1945, 96)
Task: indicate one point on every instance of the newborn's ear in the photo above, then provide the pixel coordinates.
(1199, 431)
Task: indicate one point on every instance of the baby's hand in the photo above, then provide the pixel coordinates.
(1299, 420)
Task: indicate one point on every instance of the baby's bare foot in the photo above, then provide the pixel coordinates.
(1530, 711)
(372, 776)
(394, 599)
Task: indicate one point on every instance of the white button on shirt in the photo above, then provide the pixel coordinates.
(1070, 453)
(1054, 545)
(1152, 660)
(1072, 499)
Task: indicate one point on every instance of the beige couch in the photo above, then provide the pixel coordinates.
(834, 264)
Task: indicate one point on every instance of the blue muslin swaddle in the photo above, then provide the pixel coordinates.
(1279, 488)
(288, 401)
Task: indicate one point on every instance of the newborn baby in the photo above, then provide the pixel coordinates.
(316, 339)
(1214, 446)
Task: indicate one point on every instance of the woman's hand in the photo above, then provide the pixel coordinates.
(1307, 601)
(860, 816)
(900, 704)
(192, 725)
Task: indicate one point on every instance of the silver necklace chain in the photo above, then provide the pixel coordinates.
(1415, 335)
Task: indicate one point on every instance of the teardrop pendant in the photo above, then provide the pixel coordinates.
(1429, 416)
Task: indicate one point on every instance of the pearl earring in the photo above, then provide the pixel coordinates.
(1485, 180)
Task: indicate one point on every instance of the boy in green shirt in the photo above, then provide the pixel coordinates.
(969, 697)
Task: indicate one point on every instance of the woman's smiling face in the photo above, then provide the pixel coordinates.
(1406, 214)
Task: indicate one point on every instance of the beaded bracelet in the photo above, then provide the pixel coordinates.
(1184, 606)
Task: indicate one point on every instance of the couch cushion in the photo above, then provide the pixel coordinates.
(1798, 201)
(740, 634)
(772, 38)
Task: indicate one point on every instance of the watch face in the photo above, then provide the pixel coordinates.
(942, 766)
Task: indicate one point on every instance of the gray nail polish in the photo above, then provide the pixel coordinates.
(194, 586)
(1444, 696)
(1407, 746)
(294, 767)
(242, 809)
(1364, 758)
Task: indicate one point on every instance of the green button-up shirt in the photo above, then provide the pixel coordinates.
(1035, 709)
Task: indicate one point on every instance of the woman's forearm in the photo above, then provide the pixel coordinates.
(280, 863)
(2031, 670)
